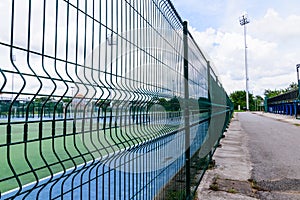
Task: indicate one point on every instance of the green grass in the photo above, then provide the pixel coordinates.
(51, 150)
(239, 111)
(232, 190)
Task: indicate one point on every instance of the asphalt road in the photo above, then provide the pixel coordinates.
(274, 147)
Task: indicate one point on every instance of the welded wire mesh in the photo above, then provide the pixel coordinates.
(93, 105)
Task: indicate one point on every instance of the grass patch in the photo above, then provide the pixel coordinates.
(232, 190)
(254, 184)
(175, 195)
(214, 185)
(239, 111)
(211, 164)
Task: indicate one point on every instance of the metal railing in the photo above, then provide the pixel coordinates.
(104, 100)
(287, 103)
(287, 97)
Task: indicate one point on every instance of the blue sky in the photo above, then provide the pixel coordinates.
(203, 14)
(273, 38)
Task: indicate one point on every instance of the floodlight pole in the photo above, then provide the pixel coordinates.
(243, 21)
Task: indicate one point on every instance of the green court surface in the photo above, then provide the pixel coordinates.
(38, 158)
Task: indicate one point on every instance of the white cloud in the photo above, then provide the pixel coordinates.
(272, 37)
(273, 51)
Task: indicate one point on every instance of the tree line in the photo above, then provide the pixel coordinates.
(272, 93)
(255, 102)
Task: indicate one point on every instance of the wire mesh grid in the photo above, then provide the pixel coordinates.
(93, 105)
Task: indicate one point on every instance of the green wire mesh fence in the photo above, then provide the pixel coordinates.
(109, 99)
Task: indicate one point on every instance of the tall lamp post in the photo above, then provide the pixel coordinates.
(243, 21)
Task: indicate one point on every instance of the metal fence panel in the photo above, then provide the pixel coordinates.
(94, 104)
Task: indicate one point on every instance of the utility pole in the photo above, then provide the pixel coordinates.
(243, 21)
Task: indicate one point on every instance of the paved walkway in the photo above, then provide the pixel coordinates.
(259, 159)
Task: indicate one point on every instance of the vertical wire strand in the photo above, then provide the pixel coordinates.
(9, 129)
(26, 151)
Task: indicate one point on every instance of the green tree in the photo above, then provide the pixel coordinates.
(239, 98)
(292, 86)
(170, 105)
(174, 104)
(272, 93)
(258, 100)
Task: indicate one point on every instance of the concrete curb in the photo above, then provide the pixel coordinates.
(279, 117)
(229, 179)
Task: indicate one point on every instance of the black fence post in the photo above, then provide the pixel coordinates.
(186, 113)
